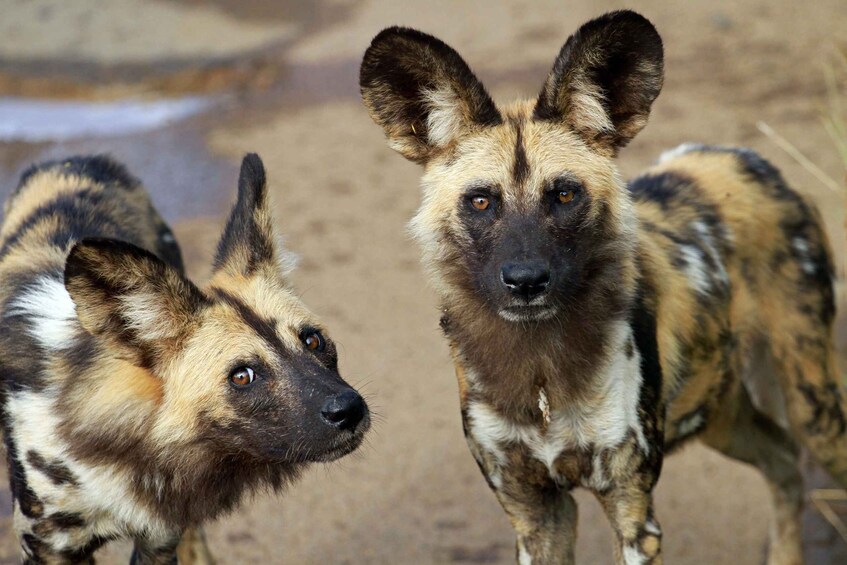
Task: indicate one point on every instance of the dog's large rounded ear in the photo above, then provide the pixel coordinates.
(130, 298)
(422, 93)
(605, 80)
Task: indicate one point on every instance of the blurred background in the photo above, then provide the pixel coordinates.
(180, 90)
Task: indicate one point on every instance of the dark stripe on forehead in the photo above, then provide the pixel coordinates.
(264, 328)
(520, 169)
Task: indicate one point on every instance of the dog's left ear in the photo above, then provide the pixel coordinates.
(249, 243)
(605, 80)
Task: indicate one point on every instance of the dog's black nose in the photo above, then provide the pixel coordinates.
(345, 410)
(527, 280)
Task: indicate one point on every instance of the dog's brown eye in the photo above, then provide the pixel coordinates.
(314, 341)
(566, 196)
(242, 376)
(480, 202)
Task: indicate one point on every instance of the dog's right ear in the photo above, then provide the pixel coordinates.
(249, 244)
(422, 93)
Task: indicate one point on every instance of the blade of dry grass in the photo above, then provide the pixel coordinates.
(822, 499)
(795, 153)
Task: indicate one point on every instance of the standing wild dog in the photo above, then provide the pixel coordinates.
(596, 326)
(136, 404)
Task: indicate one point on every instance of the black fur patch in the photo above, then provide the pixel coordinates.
(399, 67)
(827, 417)
(662, 188)
(99, 168)
(29, 502)
(520, 168)
(621, 55)
(242, 232)
(54, 470)
(77, 210)
(266, 329)
(651, 407)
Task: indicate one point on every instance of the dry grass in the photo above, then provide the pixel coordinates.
(829, 502)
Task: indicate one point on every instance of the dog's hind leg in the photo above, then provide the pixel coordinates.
(742, 432)
(814, 394)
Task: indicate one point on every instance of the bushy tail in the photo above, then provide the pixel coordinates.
(816, 403)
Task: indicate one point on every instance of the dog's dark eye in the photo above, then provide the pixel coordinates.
(565, 190)
(242, 376)
(313, 341)
(480, 202)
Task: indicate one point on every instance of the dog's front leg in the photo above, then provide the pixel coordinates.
(543, 514)
(545, 522)
(156, 551)
(639, 536)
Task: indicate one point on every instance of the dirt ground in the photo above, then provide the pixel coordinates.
(282, 81)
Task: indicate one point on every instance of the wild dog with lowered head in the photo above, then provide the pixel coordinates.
(136, 404)
(596, 326)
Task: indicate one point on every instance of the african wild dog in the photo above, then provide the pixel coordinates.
(136, 404)
(596, 326)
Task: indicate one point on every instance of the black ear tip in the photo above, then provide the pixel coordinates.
(252, 166)
(630, 20)
(397, 32)
(95, 244)
(252, 175)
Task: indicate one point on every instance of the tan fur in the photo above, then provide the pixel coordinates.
(644, 316)
(124, 415)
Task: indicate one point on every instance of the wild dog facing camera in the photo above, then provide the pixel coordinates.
(523, 209)
(596, 325)
(161, 402)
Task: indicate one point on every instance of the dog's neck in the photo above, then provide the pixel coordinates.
(526, 370)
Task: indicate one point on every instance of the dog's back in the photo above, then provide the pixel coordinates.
(55, 205)
(744, 275)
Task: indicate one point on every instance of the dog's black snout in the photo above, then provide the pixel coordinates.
(344, 410)
(526, 279)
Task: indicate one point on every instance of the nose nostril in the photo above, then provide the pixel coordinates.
(525, 279)
(345, 410)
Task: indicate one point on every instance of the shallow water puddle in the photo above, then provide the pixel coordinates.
(33, 120)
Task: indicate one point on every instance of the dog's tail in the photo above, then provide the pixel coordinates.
(816, 403)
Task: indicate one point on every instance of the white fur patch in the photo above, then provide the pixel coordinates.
(524, 558)
(690, 424)
(533, 315)
(48, 306)
(632, 556)
(101, 495)
(680, 150)
(587, 109)
(287, 260)
(603, 422)
(444, 122)
(695, 268)
(801, 247)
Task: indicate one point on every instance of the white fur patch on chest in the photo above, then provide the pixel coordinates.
(602, 422)
(100, 493)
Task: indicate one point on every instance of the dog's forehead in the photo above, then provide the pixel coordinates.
(263, 304)
(521, 156)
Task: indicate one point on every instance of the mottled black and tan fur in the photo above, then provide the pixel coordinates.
(595, 325)
(134, 403)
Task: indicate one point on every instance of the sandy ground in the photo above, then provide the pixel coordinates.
(342, 198)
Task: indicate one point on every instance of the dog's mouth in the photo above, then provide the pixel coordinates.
(339, 449)
(527, 313)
